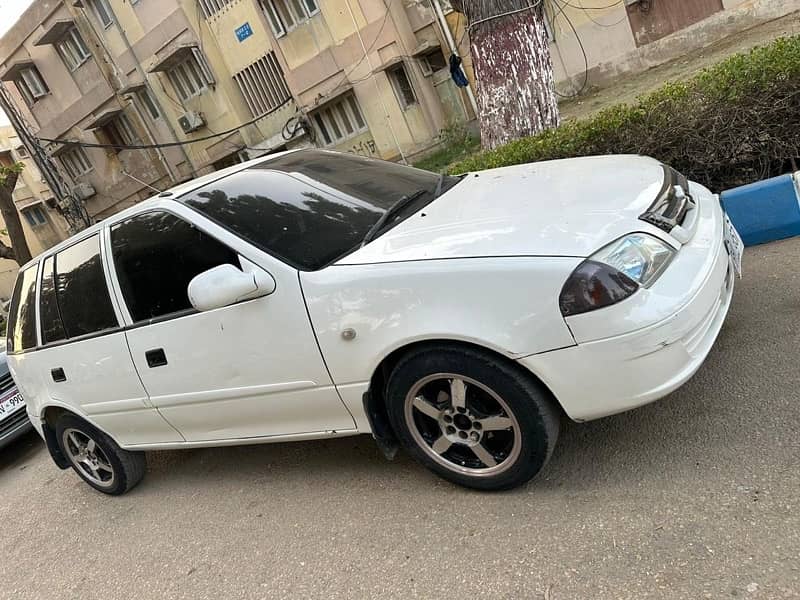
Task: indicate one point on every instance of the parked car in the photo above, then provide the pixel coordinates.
(14, 420)
(313, 294)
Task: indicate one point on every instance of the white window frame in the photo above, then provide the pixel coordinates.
(191, 76)
(212, 7)
(75, 162)
(73, 49)
(31, 85)
(405, 103)
(145, 98)
(339, 120)
(126, 135)
(425, 65)
(286, 15)
(103, 12)
(125, 129)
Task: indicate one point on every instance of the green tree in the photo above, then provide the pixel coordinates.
(18, 250)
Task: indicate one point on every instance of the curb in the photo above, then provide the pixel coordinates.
(766, 210)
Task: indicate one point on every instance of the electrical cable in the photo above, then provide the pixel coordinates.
(586, 10)
(583, 51)
(167, 144)
(505, 14)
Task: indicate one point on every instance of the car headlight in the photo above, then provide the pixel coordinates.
(614, 273)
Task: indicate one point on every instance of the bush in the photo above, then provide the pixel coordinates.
(734, 123)
(457, 144)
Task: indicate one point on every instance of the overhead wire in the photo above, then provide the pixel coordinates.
(167, 144)
(585, 84)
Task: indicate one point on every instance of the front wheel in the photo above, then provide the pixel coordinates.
(97, 459)
(473, 419)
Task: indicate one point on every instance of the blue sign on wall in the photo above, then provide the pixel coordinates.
(243, 32)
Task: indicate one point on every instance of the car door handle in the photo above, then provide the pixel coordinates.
(58, 375)
(156, 358)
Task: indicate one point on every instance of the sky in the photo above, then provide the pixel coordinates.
(10, 10)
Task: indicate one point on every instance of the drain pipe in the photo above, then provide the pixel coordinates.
(374, 81)
(454, 50)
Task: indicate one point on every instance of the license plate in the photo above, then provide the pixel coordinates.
(11, 403)
(734, 244)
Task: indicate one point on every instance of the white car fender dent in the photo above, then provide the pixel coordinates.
(507, 304)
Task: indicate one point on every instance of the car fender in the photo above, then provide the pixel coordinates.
(362, 313)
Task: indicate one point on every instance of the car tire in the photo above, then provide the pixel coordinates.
(494, 432)
(98, 459)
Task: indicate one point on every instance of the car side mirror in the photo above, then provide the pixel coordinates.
(225, 285)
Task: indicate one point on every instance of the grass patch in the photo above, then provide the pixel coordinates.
(457, 144)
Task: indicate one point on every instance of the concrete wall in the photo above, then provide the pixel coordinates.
(611, 48)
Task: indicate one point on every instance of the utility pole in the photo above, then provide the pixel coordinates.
(71, 207)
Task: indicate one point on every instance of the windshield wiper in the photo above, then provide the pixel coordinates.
(391, 212)
(438, 191)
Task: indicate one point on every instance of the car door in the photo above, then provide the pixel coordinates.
(83, 362)
(249, 370)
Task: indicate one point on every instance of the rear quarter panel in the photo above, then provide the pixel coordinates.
(507, 304)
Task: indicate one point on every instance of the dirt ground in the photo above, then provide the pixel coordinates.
(692, 497)
(628, 88)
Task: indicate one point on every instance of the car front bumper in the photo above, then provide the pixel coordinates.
(643, 348)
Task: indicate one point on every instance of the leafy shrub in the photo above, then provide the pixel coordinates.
(457, 144)
(734, 123)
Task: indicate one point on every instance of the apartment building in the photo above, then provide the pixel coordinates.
(214, 82)
(41, 221)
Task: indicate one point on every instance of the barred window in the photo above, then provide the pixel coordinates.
(75, 162)
(212, 7)
(262, 85)
(339, 119)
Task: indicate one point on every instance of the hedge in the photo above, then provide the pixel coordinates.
(735, 122)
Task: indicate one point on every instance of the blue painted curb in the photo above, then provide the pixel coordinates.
(766, 210)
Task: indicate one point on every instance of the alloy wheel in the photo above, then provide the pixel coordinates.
(84, 453)
(462, 424)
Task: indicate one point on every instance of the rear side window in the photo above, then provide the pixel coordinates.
(22, 314)
(156, 255)
(50, 315)
(81, 291)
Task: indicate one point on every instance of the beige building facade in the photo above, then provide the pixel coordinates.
(214, 82)
(39, 215)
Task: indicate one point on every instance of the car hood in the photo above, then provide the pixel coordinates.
(569, 207)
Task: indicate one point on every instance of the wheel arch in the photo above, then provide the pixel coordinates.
(375, 396)
(50, 414)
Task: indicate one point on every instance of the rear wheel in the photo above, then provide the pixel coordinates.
(97, 459)
(472, 418)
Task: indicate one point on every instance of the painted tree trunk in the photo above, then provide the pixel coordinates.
(513, 69)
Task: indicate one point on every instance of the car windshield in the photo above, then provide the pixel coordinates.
(311, 207)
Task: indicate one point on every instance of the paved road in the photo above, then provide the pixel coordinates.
(693, 497)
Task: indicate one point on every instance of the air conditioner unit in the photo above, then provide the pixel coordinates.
(84, 190)
(191, 121)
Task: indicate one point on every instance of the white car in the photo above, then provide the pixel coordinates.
(313, 294)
